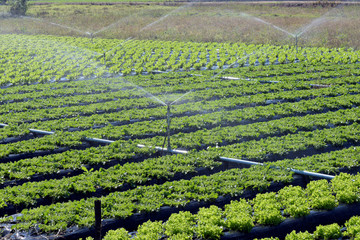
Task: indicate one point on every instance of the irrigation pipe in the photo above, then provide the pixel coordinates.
(178, 151)
(268, 81)
(3, 125)
(250, 163)
(98, 140)
(166, 150)
(41, 132)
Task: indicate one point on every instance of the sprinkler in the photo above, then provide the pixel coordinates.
(296, 43)
(168, 133)
(91, 36)
(168, 126)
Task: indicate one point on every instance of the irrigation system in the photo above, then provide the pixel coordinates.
(168, 114)
(296, 43)
(179, 151)
(167, 137)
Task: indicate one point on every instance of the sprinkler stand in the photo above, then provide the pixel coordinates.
(168, 127)
(92, 37)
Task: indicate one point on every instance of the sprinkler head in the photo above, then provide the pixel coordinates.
(296, 42)
(168, 127)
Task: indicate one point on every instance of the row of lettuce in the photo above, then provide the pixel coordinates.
(288, 71)
(266, 208)
(139, 173)
(204, 91)
(219, 116)
(202, 224)
(151, 132)
(116, 89)
(122, 112)
(28, 59)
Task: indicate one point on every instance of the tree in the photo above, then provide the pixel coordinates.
(18, 7)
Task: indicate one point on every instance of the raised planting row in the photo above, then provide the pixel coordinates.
(237, 116)
(266, 209)
(23, 59)
(350, 230)
(210, 223)
(209, 101)
(103, 181)
(296, 127)
(177, 78)
(167, 93)
(150, 198)
(222, 133)
(30, 193)
(78, 161)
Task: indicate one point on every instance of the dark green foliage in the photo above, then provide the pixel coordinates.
(18, 7)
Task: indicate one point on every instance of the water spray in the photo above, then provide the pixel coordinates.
(296, 43)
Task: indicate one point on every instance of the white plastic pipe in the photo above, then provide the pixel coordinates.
(250, 163)
(166, 150)
(312, 174)
(306, 173)
(41, 132)
(178, 151)
(233, 160)
(98, 140)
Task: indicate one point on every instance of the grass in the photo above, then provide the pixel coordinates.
(220, 22)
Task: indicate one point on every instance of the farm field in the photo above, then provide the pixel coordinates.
(267, 104)
(194, 137)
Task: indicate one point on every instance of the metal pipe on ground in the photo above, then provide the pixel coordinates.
(3, 125)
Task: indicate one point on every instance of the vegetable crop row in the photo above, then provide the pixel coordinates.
(209, 102)
(151, 198)
(114, 178)
(234, 88)
(264, 209)
(28, 193)
(191, 140)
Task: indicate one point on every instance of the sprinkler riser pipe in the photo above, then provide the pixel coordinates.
(168, 127)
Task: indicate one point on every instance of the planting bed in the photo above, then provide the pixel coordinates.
(271, 105)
